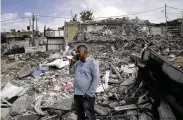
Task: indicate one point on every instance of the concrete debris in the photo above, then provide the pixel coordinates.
(4, 113)
(133, 117)
(28, 117)
(25, 71)
(101, 110)
(21, 105)
(125, 107)
(144, 117)
(66, 104)
(59, 63)
(132, 113)
(113, 105)
(127, 84)
(165, 112)
(122, 93)
(70, 116)
(48, 117)
(55, 56)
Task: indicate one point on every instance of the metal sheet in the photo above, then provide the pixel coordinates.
(173, 73)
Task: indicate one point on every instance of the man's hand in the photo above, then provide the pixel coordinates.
(74, 59)
(86, 96)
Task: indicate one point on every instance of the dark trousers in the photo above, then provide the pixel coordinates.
(84, 106)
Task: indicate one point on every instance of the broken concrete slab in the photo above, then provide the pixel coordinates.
(113, 105)
(5, 67)
(6, 79)
(70, 116)
(125, 107)
(29, 117)
(114, 81)
(25, 71)
(133, 117)
(21, 105)
(131, 112)
(66, 104)
(101, 110)
(165, 112)
(143, 116)
(4, 113)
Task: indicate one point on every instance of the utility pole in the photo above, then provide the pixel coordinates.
(71, 15)
(36, 27)
(33, 19)
(182, 26)
(166, 21)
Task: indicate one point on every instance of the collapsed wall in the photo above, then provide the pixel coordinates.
(111, 30)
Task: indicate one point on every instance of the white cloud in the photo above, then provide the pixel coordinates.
(28, 14)
(8, 16)
(100, 8)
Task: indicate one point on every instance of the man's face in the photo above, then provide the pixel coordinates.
(81, 54)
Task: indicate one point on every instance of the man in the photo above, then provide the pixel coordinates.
(86, 80)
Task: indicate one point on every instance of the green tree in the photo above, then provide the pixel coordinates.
(86, 15)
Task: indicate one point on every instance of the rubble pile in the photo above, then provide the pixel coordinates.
(41, 87)
(111, 30)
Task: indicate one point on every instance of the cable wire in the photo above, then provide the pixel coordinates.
(53, 16)
(14, 19)
(132, 13)
(178, 9)
(103, 17)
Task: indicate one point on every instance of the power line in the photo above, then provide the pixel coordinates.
(172, 13)
(178, 9)
(132, 13)
(14, 19)
(53, 16)
(104, 17)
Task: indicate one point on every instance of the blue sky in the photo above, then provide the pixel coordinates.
(34, 6)
(12, 9)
